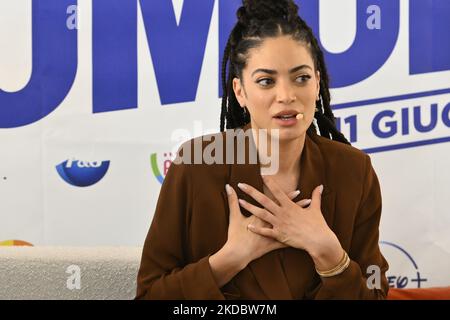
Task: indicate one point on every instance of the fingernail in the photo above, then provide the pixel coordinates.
(321, 188)
(242, 201)
(295, 193)
(242, 186)
(250, 226)
(228, 189)
(308, 201)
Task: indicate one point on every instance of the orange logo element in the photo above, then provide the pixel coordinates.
(15, 243)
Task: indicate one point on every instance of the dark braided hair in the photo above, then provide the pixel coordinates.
(257, 20)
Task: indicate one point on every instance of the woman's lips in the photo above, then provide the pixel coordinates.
(288, 121)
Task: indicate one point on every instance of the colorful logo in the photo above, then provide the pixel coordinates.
(82, 173)
(155, 168)
(403, 269)
(8, 243)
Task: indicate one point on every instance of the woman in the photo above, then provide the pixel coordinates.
(307, 231)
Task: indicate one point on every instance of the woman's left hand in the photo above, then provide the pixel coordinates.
(293, 225)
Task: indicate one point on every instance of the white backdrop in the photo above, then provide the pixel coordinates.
(38, 206)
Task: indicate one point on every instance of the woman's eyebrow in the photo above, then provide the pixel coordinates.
(269, 71)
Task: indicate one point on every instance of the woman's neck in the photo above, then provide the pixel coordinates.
(288, 153)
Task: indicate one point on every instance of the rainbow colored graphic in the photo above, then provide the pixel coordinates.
(7, 243)
(155, 169)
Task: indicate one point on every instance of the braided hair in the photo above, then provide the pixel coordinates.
(257, 20)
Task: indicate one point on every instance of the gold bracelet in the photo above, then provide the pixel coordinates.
(337, 267)
(341, 266)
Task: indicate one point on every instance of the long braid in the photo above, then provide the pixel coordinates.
(231, 123)
(224, 85)
(231, 112)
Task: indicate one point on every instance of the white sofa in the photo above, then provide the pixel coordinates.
(68, 272)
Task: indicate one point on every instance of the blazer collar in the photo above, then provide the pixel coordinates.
(268, 269)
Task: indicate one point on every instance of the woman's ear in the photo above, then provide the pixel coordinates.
(318, 83)
(238, 91)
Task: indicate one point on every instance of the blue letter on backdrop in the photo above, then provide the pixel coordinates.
(114, 56)
(54, 66)
(429, 36)
(177, 50)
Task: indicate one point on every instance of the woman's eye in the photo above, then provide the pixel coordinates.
(304, 78)
(265, 82)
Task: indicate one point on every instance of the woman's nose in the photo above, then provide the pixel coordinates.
(285, 94)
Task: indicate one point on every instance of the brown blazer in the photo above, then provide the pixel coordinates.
(191, 222)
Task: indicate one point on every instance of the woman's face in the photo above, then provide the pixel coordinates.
(279, 78)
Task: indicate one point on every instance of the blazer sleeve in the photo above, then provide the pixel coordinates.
(364, 251)
(164, 272)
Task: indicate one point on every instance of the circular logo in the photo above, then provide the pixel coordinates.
(403, 270)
